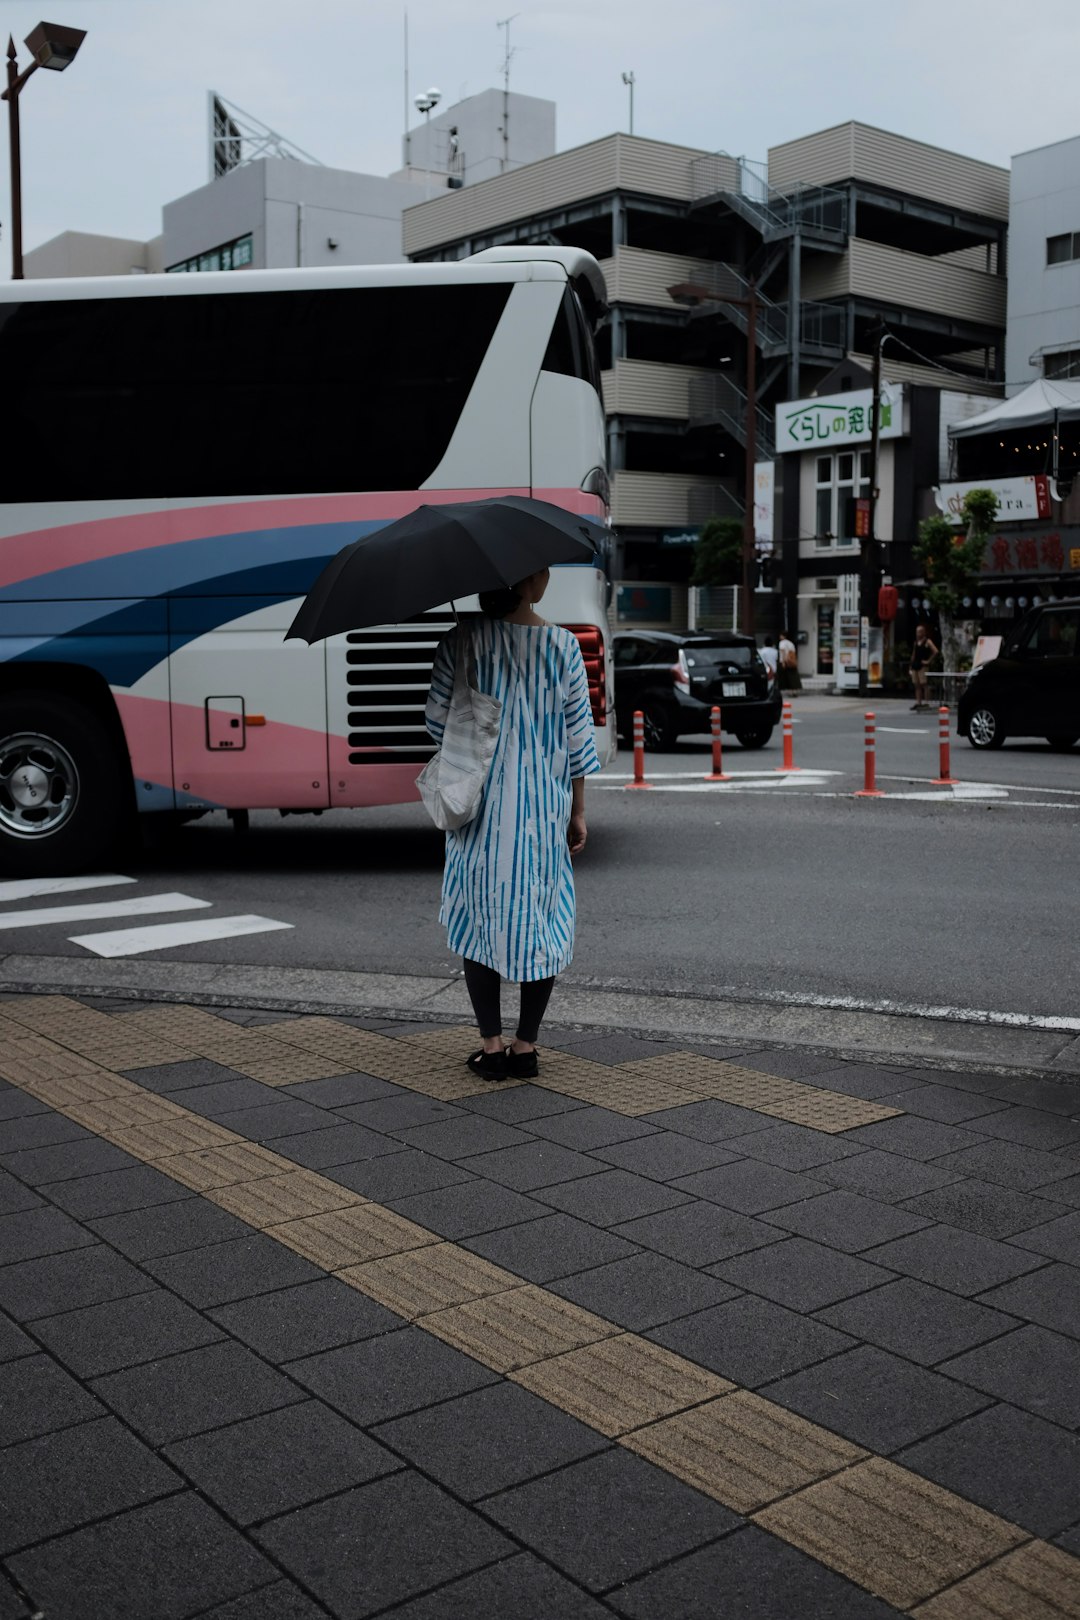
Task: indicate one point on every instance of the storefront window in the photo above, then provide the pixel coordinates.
(230, 256)
(840, 480)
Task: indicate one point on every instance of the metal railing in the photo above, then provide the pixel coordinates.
(821, 210)
(718, 399)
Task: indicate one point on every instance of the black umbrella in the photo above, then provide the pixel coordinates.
(437, 553)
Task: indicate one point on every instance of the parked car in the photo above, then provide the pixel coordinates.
(1032, 689)
(675, 680)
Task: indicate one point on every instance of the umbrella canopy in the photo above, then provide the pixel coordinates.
(437, 553)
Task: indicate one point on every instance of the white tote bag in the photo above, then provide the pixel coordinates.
(452, 781)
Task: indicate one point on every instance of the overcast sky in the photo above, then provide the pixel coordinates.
(123, 131)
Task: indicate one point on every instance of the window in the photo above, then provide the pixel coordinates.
(1063, 249)
(1066, 363)
(238, 394)
(840, 479)
(1054, 635)
(229, 256)
(570, 350)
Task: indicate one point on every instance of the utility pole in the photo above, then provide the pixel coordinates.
(508, 56)
(868, 550)
(629, 80)
(749, 548)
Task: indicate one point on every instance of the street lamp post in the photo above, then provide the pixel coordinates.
(50, 46)
(426, 102)
(629, 80)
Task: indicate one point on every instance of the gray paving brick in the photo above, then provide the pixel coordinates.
(709, 1121)
(226, 1097)
(63, 1282)
(609, 1518)
(554, 1246)
(342, 1142)
(1008, 1164)
(59, 1481)
(15, 1195)
(1059, 1239)
(280, 1460)
(612, 1196)
(284, 1116)
(914, 1138)
(190, 1223)
(169, 1559)
(751, 1340)
(392, 1539)
(980, 1206)
(699, 1234)
(393, 1114)
(846, 1221)
(342, 1090)
(797, 1065)
(519, 1104)
(36, 1130)
(1010, 1462)
(643, 1291)
(950, 1258)
(281, 1600)
(750, 1186)
(1050, 1297)
(758, 1576)
(949, 1104)
(665, 1155)
(66, 1160)
(795, 1147)
(588, 1128)
(1031, 1367)
(490, 1440)
(463, 1137)
(232, 1270)
(1069, 1540)
(301, 1321)
(16, 1104)
(33, 1232)
(800, 1274)
(536, 1164)
(169, 1077)
(914, 1320)
(1051, 1096)
(116, 1191)
(1063, 1192)
(469, 1208)
(39, 1396)
(13, 1341)
(521, 1587)
(383, 1378)
(1035, 1128)
(885, 1176)
(397, 1175)
(106, 1338)
(854, 1080)
(618, 1048)
(875, 1399)
(197, 1390)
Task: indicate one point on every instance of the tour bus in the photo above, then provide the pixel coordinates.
(183, 453)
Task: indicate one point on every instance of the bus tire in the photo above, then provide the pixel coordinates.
(65, 788)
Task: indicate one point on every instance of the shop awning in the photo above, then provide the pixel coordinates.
(1033, 407)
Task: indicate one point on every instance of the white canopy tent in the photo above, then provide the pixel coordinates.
(1035, 406)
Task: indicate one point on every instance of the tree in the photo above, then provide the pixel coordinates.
(718, 553)
(950, 560)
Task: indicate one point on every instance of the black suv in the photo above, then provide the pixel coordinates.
(675, 680)
(1033, 688)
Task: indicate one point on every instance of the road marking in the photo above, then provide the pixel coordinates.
(139, 906)
(1058, 1023)
(765, 773)
(162, 936)
(907, 731)
(28, 888)
(1009, 787)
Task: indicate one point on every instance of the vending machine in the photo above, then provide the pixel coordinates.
(848, 643)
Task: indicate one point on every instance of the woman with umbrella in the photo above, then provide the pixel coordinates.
(508, 882)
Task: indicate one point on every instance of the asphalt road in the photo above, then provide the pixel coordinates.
(768, 883)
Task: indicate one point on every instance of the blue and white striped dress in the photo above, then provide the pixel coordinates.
(508, 882)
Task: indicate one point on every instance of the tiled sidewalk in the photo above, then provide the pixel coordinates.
(298, 1318)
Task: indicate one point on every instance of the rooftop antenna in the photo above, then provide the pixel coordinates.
(508, 57)
(408, 137)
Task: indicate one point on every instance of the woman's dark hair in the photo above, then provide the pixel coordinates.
(497, 604)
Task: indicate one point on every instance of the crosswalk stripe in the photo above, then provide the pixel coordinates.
(160, 936)
(29, 888)
(140, 906)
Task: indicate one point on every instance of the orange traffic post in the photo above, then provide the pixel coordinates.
(718, 773)
(944, 779)
(868, 789)
(789, 741)
(639, 752)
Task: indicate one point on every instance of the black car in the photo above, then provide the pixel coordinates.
(675, 680)
(1033, 688)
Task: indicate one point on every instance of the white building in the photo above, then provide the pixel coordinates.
(1044, 265)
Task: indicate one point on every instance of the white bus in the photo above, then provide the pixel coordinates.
(183, 453)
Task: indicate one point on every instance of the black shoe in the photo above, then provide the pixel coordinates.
(488, 1065)
(522, 1065)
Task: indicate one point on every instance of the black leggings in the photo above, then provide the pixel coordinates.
(484, 984)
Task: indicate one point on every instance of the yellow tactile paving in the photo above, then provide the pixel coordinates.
(171, 1136)
(620, 1383)
(743, 1450)
(108, 1114)
(509, 1330)
(421, 1281)
(91, 1033)
(31, 1061)
(436, 1070)
(348, 1236)
(790, 1100)
(1036, 1582)
(891, 1531)
(229, 1166)
(248, 1051)
(275, 1199)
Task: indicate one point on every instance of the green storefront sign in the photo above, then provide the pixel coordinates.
(803, 424)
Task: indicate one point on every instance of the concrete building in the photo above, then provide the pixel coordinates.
(81, 253)
(1044, 265)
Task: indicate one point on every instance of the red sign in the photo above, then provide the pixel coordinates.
(1029, 553)
(862, 519)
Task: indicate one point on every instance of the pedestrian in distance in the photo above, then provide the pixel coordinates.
(508, 902)
(789, 665)
(770, 658)
(923, 652)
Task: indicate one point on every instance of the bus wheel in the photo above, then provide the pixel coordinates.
(64, 790)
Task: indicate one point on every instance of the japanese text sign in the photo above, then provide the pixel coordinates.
(808, 424)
